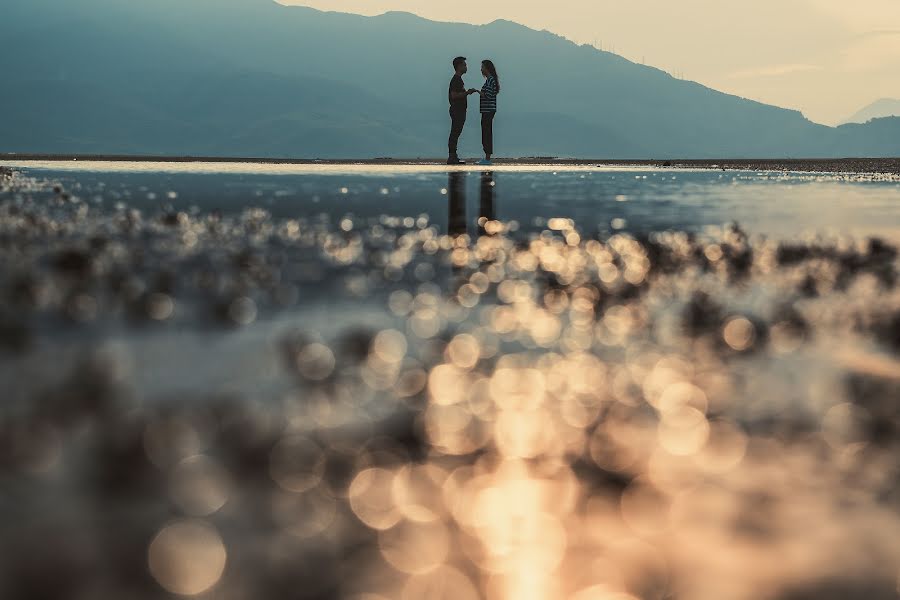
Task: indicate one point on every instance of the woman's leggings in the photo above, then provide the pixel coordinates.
(487, 132)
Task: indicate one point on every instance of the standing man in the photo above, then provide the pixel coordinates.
(458, 107)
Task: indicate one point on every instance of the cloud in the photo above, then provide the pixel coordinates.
(775, 71)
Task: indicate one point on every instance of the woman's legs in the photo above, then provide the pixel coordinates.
(487, 134)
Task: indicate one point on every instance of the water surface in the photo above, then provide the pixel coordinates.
(257, 378)
(600, 200)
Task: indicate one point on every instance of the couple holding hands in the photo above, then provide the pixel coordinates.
(459, 105)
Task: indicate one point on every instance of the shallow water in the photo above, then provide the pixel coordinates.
(600, 200)
(243, 381)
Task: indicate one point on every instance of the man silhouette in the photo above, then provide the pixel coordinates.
(458, 106)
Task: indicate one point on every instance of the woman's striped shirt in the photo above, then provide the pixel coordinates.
(489, 95)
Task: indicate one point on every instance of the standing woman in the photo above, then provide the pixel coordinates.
(488, 108)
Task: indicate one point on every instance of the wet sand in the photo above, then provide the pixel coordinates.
(242, 405)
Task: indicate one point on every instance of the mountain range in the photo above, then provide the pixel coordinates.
(256, 78)
(886, 107)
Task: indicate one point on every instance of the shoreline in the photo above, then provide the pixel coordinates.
(818, 165)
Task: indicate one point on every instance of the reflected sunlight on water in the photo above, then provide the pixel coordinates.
(426, 397)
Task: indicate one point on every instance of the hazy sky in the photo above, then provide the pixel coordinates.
(827, 58)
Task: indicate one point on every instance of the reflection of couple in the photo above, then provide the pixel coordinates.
(459, 105)
(456, 216)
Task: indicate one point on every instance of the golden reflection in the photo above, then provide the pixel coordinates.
(371, 498)
(415, 547)
(411, 382)
(601, 592)
(683, 431)
(447, 385)
(517, 388)
(417, 492)
(187, 557)
(567, 419)
(739, 333)
(725, 447)
(390, 346)
(464, 351)
(680, 395)
(443, 583)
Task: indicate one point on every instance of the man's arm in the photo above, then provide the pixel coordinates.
(458, 92)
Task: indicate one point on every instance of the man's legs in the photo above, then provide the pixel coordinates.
(487, 134)
(457, 122)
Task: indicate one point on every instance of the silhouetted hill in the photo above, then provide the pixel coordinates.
(858, 140)
(886, 107)
(252, 77)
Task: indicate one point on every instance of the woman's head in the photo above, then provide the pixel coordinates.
(488, 69)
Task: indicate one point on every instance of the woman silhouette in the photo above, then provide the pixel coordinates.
(488, 108)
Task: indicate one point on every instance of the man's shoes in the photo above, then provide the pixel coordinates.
(454, 160)
(485, 163)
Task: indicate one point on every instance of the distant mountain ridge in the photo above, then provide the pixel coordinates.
(255, 78)
(885, 107)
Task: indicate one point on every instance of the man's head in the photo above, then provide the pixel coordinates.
(459, 65)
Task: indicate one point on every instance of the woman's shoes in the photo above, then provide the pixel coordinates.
(454, 160)
(485, 163)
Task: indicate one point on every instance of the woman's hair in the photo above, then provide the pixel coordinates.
(492, 70)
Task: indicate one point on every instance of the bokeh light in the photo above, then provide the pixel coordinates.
(187, 557)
